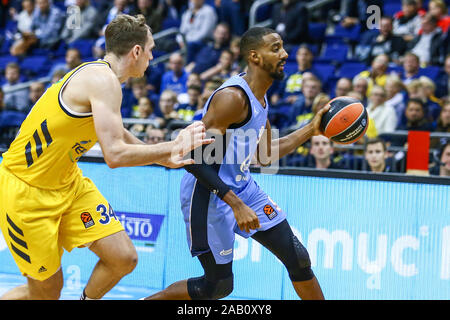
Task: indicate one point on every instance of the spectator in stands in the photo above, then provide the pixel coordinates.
(310, 89)
(443, 167)
(24, 18)
(186, 111)
(223, 68)
(167, 106)
(233, 13)
(239, 63)
(138, 90)
(290, 20)
(56, 76)
(322, 151)
(432, 103)
(354, 12)
(343, 87)
(386, 42)
(119, 6)
(438, 9)
(145, 111)
(375, 153)
(73, 60)
(154, 135)
(208, 89)
(176, 77)
(376, 75)
(197, 26)
(429, 45)
(396, 95)
(382, 115)
(288, 90)
(361, 85)
(16, 100)
(415, 121)
(209, 54)
(87, 23)
(411, 68)
(319, 102)
(192, 79)
(45, 29)
(153, 14)
(407, 22)
(37, 89)
(443, 122)
(442, 81)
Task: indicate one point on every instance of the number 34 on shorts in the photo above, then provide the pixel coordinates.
(106, 215)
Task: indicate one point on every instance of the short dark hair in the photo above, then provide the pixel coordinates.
(252, 39)
(374, 141)
(417, 101)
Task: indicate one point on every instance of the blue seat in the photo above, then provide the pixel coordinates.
(391, 8)
(35, 64)
(4, 60)
(11, 118)
(84, 46)
(316, 31)
(431, 72)
(350, 69)
(334, 53)
(290, 67)
(326, 71)
(170, 23)
(348, 34)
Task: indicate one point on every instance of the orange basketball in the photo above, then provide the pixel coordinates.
(346, 121)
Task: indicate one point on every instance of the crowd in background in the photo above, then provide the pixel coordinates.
(399, 69)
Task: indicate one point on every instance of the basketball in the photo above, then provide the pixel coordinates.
(346, 121)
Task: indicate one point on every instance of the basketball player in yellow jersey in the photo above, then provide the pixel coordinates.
(46, 205)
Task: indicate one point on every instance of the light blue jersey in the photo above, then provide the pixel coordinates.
(210, 222)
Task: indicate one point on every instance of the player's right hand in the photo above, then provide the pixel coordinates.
(246, 218)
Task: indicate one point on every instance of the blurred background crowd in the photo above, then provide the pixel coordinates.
(392, 55)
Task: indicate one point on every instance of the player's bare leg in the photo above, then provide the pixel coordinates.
(176, 291)
(118, 258)
(49, 289)
(17, 293)
(308, 290)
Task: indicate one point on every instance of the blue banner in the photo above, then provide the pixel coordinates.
(367, 239)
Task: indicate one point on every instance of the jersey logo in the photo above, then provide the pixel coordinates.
(86, 218)
(270, 211)
(78, 150)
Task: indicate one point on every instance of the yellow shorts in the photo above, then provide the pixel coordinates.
(38, 223)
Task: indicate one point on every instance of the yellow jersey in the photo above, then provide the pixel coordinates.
(51, 139)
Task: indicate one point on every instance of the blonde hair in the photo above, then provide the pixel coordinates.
(427, 83)
(439, 3)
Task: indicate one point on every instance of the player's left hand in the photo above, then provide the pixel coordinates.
(315, 122)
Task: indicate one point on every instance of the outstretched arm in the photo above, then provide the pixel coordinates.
(105, 96)
(271, 150)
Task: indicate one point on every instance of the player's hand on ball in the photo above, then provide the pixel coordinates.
(315, 122)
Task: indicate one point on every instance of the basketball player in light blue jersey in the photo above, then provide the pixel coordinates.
(219, 198)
